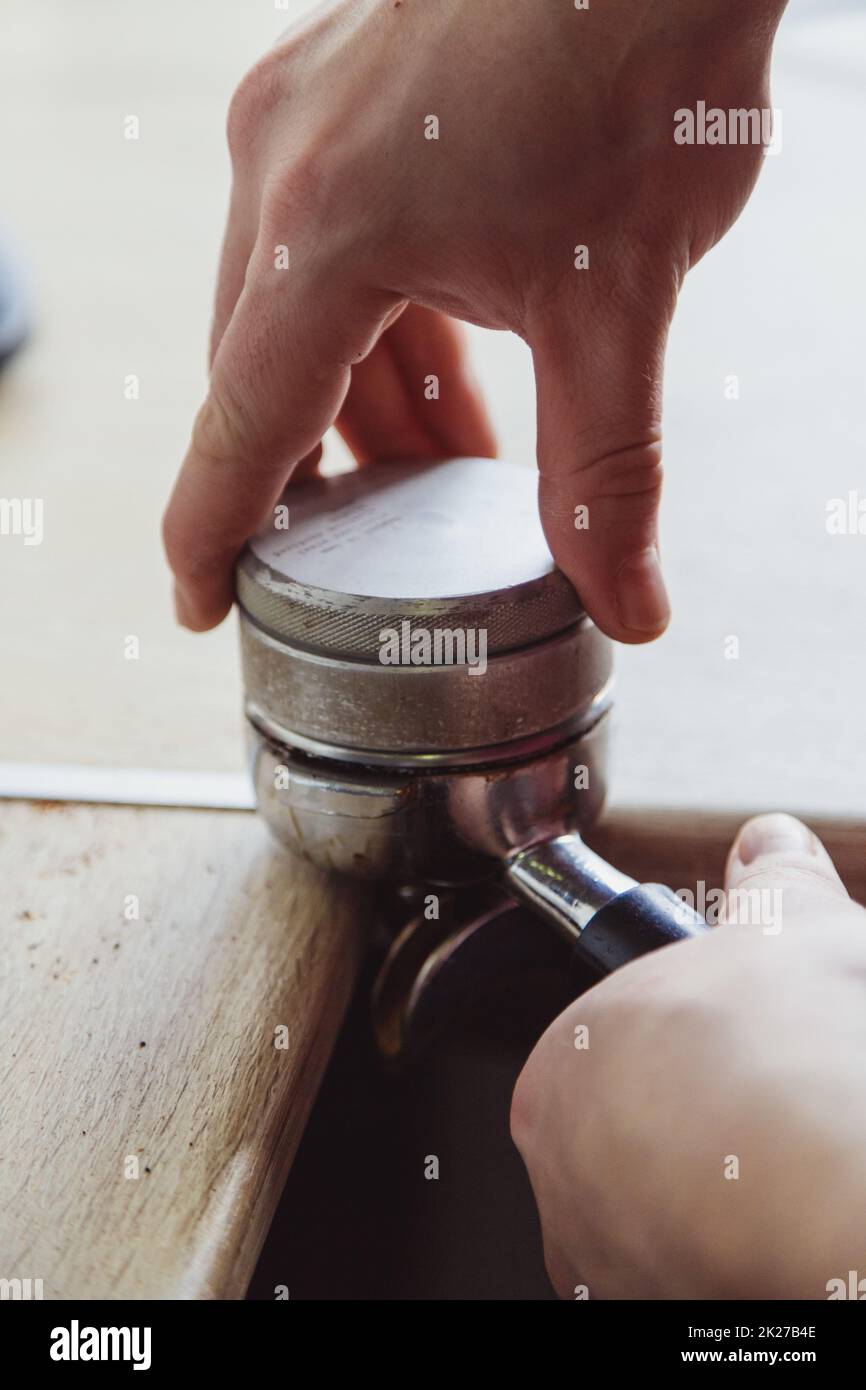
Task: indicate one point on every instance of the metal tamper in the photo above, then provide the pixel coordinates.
(428, 702)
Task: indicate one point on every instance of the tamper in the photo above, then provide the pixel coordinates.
(428, 702)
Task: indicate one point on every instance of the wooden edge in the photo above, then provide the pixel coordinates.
(681, 848)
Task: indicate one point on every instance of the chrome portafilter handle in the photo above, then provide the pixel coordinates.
(610, 918)
(428, 705)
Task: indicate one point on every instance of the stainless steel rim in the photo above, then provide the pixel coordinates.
(425, 710)
(486, 756)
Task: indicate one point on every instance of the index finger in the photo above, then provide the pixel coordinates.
(279, 377)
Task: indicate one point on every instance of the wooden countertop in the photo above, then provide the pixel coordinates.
(151, 1104)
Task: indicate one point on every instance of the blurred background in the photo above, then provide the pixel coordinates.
(121, 237)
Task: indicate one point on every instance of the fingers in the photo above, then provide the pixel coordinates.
(773, 843)
(777, 859)
(414, 396)
(599, 382)
(379, 419)
(238, 243)
(430, 351)
(279, 378)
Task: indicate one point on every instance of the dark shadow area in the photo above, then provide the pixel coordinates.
(358, 1218)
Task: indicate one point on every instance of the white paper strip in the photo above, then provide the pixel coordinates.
(126, 786)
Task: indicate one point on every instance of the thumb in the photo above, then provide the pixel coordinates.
(777, 859)
(599, 386)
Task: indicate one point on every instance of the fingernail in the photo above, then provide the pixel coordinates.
(641, 596)
(776, 834)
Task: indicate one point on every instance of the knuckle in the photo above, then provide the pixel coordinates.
(281, 195)
(621, 471)
(240, 120)
(256, 94)
(217, 435)
(310, 191)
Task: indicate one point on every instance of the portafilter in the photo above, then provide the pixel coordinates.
(428, 703)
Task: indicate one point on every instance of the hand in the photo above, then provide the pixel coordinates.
(555, 130)
(709, 1141)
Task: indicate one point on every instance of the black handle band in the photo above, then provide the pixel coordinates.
(639, 920)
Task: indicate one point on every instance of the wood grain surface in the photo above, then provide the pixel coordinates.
(153, 1040)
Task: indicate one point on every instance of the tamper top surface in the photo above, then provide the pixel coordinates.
(454, 543)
